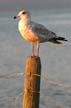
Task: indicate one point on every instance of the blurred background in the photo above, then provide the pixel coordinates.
(56, 59)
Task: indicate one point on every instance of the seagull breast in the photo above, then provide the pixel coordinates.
(26, 32)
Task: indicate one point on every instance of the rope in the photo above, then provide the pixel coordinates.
(57, 84)
(18, 74)
(11, 75)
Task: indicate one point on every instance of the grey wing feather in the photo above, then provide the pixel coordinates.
(42, 31)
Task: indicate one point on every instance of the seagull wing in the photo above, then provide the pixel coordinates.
(46, 35)
(42, 31)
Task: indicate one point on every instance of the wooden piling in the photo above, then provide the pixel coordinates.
(32, 83)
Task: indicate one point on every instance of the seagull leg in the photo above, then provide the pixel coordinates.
(38, 46)
(32, 49)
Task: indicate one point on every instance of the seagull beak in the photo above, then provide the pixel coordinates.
(15, 17)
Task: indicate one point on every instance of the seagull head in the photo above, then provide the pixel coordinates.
(22, 15)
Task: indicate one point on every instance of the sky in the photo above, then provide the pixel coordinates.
(10, 5)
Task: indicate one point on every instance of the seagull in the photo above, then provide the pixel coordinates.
(34, 32)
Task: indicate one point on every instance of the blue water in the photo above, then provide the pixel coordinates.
(55, 59)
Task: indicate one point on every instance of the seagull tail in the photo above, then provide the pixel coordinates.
(61, 39)
(57, 40)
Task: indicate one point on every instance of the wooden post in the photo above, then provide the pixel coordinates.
(32, 83)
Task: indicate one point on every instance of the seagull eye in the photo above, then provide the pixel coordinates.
(24, 13)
